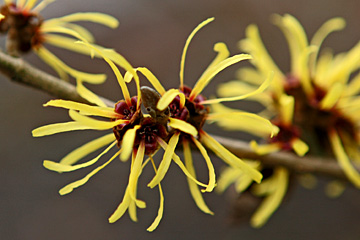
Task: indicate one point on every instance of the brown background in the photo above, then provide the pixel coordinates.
(152, 34)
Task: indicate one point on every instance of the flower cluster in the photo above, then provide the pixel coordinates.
(27, 31)
(168, 118)
(315, 104)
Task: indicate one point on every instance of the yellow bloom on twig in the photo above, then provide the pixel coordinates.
(314, 105)
(27, 31)
(131, 131)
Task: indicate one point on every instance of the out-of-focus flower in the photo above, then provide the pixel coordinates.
(27, 31)
(187, 105)
(315, 105)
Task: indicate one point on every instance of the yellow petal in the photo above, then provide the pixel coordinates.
(86, 34)
(20, 3)
(177, 160)
(287, 104)
(245, 119)
(42, 5)
(273, 201)
(94, 123)
(242, 183)
(116, 71)
(130, 189)
(70, 187)
(227, 177)
(343, 159)
(158, 218)
(127, 78)
(83, 108)
(223, 53)
(52, 60)
(209, 164)
(29, 4)
(128, 143)
(212, 72)
(183, 126)
(236, 88)
(300, 147)
(95, 17)
(136, 170)
(58, 128)
(332, 25)
(353, 87)
(165, 162)
(152, 79)
(123, 206)
(346, 64)
(261, 88)
(255, 47)
(332, 96)
(194, 190)
(69, 44)
(264, 148)
(188, 40)
(61, 167)
(230, 158)
(295, 35)
(168, 97)
(88, 95)
(77, 154)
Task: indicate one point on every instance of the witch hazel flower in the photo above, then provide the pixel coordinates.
(136, 133)
(313, 105)
(324, 86)
(27, 31)
(188, 112)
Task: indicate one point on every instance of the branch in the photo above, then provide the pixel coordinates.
(315, 165)
(19, 71)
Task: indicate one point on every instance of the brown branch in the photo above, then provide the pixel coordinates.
(308, 164)
(22, 72)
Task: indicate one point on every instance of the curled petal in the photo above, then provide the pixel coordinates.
(165, 162)
(273, 201)
(300, 147)
(83, 108)
(168, 97)
(183, 126)
(86, 149)
(261, 88)
(188, 40)
(158, 218)
(209, 164)
(212, 72)
(61, 167)
(194, 190)
(70, 187)
(230, 158)
(88, 95)
(128, 143)
(95, 17)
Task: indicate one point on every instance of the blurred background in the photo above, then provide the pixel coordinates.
(152, 34)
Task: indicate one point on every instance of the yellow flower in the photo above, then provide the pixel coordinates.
(26, 30)
(188, 113)
(316, 100)
(324, 89)
(133, 132)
